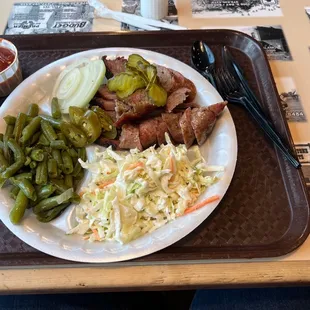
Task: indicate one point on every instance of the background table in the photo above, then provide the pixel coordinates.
(291, 269)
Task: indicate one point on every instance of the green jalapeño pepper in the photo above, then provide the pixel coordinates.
(90, 124)
(109, 130)
(75, 114)
(75, 135)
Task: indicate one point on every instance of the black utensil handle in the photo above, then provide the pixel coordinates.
(209, 77)
(233, 67)
(272, 134)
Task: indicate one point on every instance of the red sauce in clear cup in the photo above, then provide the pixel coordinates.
(6, 58)
(10, 71)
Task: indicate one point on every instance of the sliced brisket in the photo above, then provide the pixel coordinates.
(115, 66)
(107, 105)
(133, 107)
(108, 142)
(104, 92)
(176, 98)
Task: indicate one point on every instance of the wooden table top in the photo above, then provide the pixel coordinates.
(291, 269)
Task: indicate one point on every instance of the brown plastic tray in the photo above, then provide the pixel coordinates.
(265, 212)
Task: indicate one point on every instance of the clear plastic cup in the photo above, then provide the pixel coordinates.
(10, 77)
(154, 9)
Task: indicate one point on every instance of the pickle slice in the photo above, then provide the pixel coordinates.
(158, 95)
(137, 61)
(151, 73)
(125, 84)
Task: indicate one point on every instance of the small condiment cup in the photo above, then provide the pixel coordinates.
(10, 77)
(154, 9)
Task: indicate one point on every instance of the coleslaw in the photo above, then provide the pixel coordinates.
(134, 193)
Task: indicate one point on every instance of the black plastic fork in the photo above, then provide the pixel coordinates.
(235, 93)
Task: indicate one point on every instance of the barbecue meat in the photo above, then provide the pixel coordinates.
(129, 138)
(115, 66)
(107, 105)
(203, 120)
(104, 92)
(108, 142)
(176, 98)
(172, 121)
(133, 107)
(161, 130)
(172, 80)
(147, 132)
(186, 128)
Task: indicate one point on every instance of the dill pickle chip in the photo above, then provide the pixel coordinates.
(158, 95)
(137, 61)
(125, 84)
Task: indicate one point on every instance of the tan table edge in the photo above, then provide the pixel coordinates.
(52, 280)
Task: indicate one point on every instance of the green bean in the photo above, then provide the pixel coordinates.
(19, 126)
(48, 130)
(3, 181)
(19, 157)
(43, 140)
(58, 145)
(26, 187)
(54, 122)
(14, 192)
(41, 173)
(1, 137)
(33, 165)
(1, 145)
(52, 214)
(28, 161)
(8, 134)
(61, 187)
(77, 168)
(74, 161)
(48, 204)
(69, 180)
(19, 208)
(35, 138)
(3, 162)
(30, 129)
(72, 152)
(61, 136)
(37, 155)
(82, 153)
(29, 119)
(57, 156)
(27, 150)
(75, 199)
(10, 120)
(67, 163)
(16, 149)
(52, 168)
(56, 112)
(25, 175)
(80, 175)
(33, 110)
(45, 192)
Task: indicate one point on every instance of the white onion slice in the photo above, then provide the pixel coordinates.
(78, 83)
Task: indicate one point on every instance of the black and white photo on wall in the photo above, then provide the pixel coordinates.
(235, 8)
